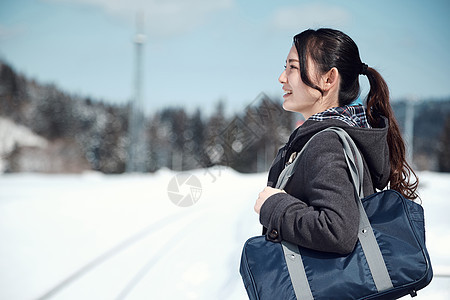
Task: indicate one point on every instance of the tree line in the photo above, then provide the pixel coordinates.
(95, 135)
(86, 134)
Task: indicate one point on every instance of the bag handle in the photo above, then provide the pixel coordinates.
(366, 236)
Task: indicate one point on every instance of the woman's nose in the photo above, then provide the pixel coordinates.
(282, 79)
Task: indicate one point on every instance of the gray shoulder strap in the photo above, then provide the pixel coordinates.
(296, 271)
(366, 236)
(289, 170)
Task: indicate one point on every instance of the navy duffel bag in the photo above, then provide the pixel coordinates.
(395, 264)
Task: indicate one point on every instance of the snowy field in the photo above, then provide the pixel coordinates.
(94, 236)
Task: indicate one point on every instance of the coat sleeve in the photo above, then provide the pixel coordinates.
(319, 210)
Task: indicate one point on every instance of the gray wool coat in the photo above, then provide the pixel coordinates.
(318, 210)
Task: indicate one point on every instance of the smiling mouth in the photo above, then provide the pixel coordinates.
(287, 93)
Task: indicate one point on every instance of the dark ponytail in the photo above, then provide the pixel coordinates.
(329, 48)
(378, 105)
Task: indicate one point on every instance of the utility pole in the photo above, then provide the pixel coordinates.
(137, 147)
(409, 128)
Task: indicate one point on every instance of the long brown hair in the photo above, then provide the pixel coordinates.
(378, 104)
(329, 48)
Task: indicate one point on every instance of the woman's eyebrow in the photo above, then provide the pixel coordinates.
(293, 60)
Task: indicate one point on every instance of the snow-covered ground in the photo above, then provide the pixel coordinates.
(94, 236)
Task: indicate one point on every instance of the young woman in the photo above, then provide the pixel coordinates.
(317, 208)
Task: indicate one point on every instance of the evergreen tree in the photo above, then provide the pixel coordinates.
(214, 146)
(195, 140)
(444, 149)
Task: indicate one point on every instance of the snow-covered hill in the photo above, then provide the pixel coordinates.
(94, 236)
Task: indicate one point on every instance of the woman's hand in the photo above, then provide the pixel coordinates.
(266, 193)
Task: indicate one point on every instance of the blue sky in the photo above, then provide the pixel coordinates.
(200, 51)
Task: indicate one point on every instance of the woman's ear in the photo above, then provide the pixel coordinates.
(330, 79)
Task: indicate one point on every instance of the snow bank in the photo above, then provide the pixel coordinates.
(94, 236)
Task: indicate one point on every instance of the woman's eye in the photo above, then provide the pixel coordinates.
(290, 67)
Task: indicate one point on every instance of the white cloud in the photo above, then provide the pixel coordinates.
(162, 17)
(310, 16)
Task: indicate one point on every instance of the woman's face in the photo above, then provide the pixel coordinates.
(298, 96)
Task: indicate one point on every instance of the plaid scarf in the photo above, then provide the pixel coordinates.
(352, 115)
